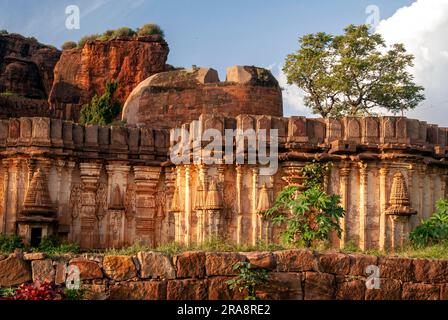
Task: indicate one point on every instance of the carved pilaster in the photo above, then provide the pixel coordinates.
(4, 174)
(239, 208)
(384, 171)
(363, 183)
(90, 175)
(146, 180)
(344, 174)
(254, 201)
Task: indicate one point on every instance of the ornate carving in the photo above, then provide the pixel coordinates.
(130, 202)
(214, 199)
(400, 204)
(101, 201)
(264, 203)
(37, 199)
(76, 200)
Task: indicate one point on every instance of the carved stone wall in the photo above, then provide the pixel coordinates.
(114, 186)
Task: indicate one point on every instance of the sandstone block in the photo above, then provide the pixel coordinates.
(390, 289)
(96, 292)
(319, 286)
(145, 290)
(155, 265)
(261, 260)
(190, 265)
(351, 290)
(396, 268)
(119, 268)
(431, 271)
(221, 264)
(187, 290)
(359, 264)
(218, 289)
(282, 286)
(420, 291)
(43, 271)
(60, 273)
(14, 271)
(334, 263)
(295, 260)
(34, 256)
(89, 269)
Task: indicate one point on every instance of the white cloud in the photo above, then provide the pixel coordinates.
(292, 96)
(422, 27)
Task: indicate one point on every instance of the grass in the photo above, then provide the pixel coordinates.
(8, 94)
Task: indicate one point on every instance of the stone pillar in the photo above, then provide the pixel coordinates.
(187, 201)
(254, 201)
(170, 181)
(177, 206)
(363, 181)
(146, 179)
(344, 174)
(90, 175)
(60, 164)
(116, 191)
(4, 195)
(200, 203)
(12, 190)
(384, 171)
(239, 208)
(421, 192)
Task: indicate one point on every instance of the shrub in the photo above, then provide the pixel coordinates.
(68, 45)
(248, 279)
(124, 33)
(102, 110)
(86, 39)
(53, 245)
(310, 214)
(75, 294)
(150, 29)
(433, 230)
(107, 35)
(9, 243)
(3, 32)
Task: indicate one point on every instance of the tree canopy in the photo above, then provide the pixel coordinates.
(353, 73)
(102, 110)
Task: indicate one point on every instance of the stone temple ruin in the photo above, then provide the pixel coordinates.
(110, 186)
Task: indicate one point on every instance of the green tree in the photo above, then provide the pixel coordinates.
(308, 212)
(102, 110)
(350, 74)
(150, 29)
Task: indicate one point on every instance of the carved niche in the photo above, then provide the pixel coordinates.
(130, 202)
(101, 201)
(76, 200)
(400, 205)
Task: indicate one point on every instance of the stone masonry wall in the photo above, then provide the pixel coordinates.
(293, 275)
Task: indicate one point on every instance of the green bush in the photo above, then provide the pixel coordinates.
(68, 45)
(124, 33)
(85, 39)
(3, 32)
(310, 214)
(9, 243)
(248, 279)
(102, 110)
(53, 245)
(150, 29)
(433, 230)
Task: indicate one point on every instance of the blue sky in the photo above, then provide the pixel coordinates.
(208, 33)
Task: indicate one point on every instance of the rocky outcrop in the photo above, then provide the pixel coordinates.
(26, 66)
(82, 73)
(170, 99)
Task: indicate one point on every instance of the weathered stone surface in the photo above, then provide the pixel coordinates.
(431, 271)
(359, 264)
(390, 289)
(43, 270)
(145, 290)
(187, 290)
(295, 260)
(119, 268)
(34, 256)
(420, 291)
(351, 290)
(396, 268)
(73, 85)
(319, 286)
(190, 265)
(261, 260)
(218, 289)
(14, 271)
(155, 265)
(95, 292)
(282, 286)
(334, 263)
(3, 257)
(221, 264)
(89, 269)
(444, 292)
(60, 273)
